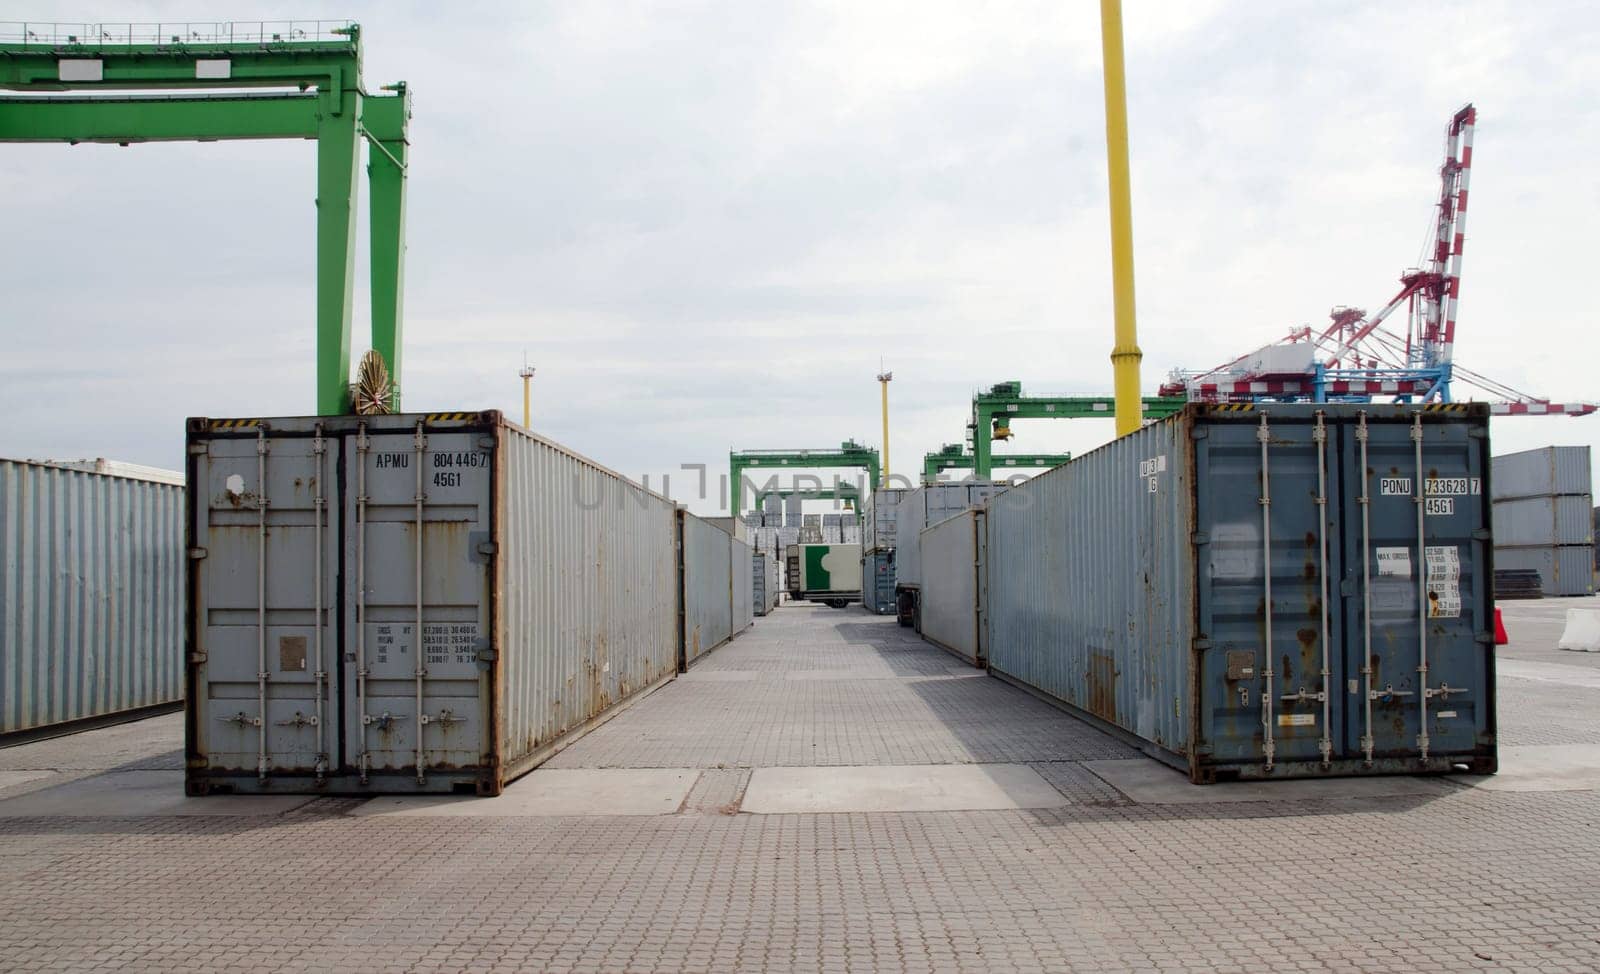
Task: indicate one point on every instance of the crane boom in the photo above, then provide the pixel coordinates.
(1355, 358)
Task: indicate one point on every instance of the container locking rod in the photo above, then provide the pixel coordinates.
(1269, 746)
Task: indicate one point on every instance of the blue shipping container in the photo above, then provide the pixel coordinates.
(1262, 591)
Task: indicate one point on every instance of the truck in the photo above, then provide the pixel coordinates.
(826, 573)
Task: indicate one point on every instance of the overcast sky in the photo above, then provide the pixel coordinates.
(707, 223)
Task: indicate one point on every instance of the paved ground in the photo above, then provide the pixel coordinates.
(635, 850)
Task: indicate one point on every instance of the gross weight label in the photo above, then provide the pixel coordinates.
(442, 642)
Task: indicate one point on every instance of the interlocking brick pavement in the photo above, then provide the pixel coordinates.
(1463, 880)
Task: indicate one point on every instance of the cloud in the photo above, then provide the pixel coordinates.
(706, 223)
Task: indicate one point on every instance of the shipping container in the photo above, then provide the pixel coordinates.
(709, 582)
(880, 516)
(1548, 472)
(733, 526)
(765, 582)
(952, 596)
(1563, 570)
(1540, 522)
(827, 573)
(924, 507)
(412, 603)
(877, 582)
(741, 556)
(1262, 591)
(91, 594)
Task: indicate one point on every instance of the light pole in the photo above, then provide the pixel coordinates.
(1125, 354)
(883, 382)
(527, 381)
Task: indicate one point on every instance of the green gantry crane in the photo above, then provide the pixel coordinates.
(993, 411)
(844, 492)
(954, 457)
(69, 75)
(849, 454)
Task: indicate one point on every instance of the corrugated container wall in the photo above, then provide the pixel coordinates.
(910, 519)
(926, 506)
(1543, 521)
(764, 582)
(412, 603)
(740, 557)
(877, 582)
(708, 588)
(1548, 472)
(1563, 571)
(879, 517)
(952, 597)
(1184, 585)
(91, 594)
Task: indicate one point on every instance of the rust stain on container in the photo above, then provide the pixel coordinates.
(1103, 685)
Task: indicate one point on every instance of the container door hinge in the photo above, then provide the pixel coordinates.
(1199, 432)
(1483, 534)
(1199, 537)
(195, 554)
(198, 449)
(1478, 433)
(486, 444)
(1200, 643)
(487, 548)
(1486, 638)
(1347, 587)
(198, 658)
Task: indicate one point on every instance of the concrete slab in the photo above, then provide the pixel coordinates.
(139, 794)
(1577, 676)
(14, 779)
(917, 788)
(850, 674)
(1543, 767)
(1149, 782)
(559, 791)
(718, 676)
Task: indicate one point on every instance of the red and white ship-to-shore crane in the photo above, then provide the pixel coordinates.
(1357, 358)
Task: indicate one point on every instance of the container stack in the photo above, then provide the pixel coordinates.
(880, 512)
(1543, 518)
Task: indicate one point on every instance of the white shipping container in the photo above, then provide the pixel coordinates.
(1546, 472)
(91, 592)
(413, 603)
(951, 599)
(1563, 570)
(1543, 521)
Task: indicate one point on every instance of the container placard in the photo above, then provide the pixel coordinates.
(442, 642)
(1394, 561)
(1443, 581)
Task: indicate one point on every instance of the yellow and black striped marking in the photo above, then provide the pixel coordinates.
(232, 424)
(1445, 407)
(1234, 407)
(450, 417)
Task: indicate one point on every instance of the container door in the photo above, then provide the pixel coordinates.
(419, 553)
(1416, 674)
(980, 548)
(264, 597)
(1270, 557)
